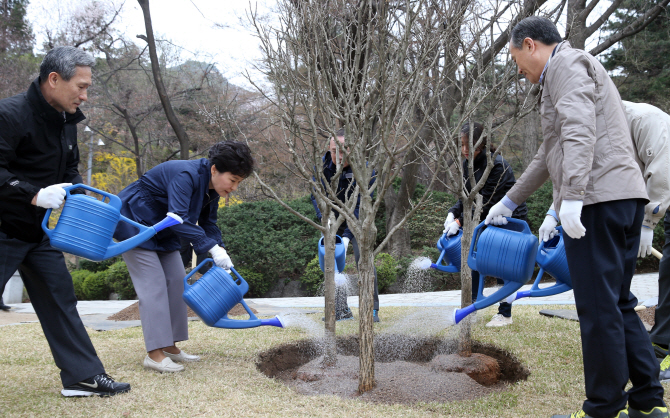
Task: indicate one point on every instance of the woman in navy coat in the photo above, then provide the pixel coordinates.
(191, 190)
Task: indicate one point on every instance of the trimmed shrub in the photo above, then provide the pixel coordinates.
(312, 278)
(119, 281)
(427, 224)
(257, 284)
(387, 270)
(78, 277)
(265, 238)
(96, 266)
(95, 286)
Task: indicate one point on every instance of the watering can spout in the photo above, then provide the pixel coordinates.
(146, 233)
(274, 322)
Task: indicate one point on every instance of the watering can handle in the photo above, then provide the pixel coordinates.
(192, 272)
(113, 200)
(526, 228)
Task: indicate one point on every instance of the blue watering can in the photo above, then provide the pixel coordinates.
(506, 252)
(450, 253)
(551, 259)
(340, 252)
(216, 293)
(86, 226)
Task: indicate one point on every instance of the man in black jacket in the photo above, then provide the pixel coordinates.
(345, 188)
(500, 180)
(38, 157)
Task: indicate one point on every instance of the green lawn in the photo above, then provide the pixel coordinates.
(227, 383)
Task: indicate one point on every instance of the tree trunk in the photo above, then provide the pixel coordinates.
(366, 283)
(531, 135)
(330, 349)
(465, 338)
(160, 86)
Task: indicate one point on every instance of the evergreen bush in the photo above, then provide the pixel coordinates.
(265, 238)
(119, 281)
(96, 266)
(95, 286)
(78, 277)
(257, 284)
(387, 270)
(312, 278)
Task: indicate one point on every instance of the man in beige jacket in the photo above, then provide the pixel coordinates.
(600, 197)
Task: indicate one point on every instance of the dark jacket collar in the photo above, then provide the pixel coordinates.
(45, 110)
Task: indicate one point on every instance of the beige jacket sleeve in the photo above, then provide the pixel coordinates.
(650, 130)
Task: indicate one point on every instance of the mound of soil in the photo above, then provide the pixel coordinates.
(407, 369)
(647, 315)
(132, 313)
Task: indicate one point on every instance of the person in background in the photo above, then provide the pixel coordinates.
(500, 180)
(190, 191)
(650, 130)
(38, 157)
(600, 197)
(345, 188)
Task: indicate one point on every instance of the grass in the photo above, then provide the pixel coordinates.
(226, 382)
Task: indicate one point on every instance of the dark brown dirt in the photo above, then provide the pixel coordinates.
(132, 313)
(647, 315)
(481, 368)
(403, 370)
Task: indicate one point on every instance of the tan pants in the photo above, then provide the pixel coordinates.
(158, 278)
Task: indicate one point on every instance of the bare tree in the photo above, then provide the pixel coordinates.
(160, 85)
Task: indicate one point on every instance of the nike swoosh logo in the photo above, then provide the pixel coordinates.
(95, 386)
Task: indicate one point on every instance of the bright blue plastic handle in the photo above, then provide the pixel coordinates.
(449, 268)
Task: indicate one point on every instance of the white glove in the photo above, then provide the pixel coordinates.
(51, 197)
(220, 257)
(497, 214)
(646, 238)
(450, 219)
(570, 214)
(548, 229)
(345, 241)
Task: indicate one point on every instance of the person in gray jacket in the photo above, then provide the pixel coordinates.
(600, 197)
(650, 129)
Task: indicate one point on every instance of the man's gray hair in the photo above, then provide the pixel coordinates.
(536, 28)
(64, 60)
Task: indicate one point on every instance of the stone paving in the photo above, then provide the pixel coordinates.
(644, 286)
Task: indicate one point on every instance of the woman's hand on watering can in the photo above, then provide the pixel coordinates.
(497, 214)
(51, 197)
(220, 257)
(548, 229)
(448, 227)
(570, 214)
(345, 241)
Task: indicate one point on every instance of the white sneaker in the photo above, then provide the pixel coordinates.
(165, 366)
(182, 356)
(499, 321)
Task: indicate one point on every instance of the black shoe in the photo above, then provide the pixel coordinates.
(581, 414)
(5, 307)
(101, 385)
(656, 412)
(375, 315)
(660, 351)
(345, 316)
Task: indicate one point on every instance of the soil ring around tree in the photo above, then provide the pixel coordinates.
(408, 369)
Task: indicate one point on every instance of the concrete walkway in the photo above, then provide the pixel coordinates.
(94, 313)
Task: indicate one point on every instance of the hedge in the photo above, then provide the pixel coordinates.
(265, 238)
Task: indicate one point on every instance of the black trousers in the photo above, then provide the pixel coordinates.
(51, 293)
(615, 344)
(660, 333)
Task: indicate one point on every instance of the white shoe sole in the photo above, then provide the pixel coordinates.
(77, 393)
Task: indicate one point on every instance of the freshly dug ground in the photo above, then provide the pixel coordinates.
(132, 313)
(647, 315)
(407, 369)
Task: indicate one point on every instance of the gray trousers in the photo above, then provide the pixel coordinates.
(158, 278)
(660, 333)
(341, 301)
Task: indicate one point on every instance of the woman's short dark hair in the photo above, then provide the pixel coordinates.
(476, 134)
(536, 28)
(232, 156)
